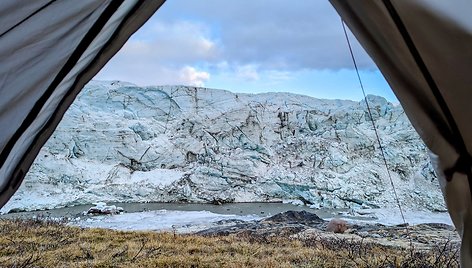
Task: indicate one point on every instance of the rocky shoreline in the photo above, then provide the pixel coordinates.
(296, 224)
(306, 225)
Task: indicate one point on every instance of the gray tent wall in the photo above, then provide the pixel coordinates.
(424, 50)
(49, 50)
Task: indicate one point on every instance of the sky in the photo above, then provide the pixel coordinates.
(247, 46)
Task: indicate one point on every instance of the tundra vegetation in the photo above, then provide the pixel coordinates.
(40, 243)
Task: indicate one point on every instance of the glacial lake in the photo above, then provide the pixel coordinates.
(388, 216)
(240, 209)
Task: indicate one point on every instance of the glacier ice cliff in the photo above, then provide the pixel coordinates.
(123, 143)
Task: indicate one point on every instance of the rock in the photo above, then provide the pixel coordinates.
(337, 226)
(285, 224)
(294, 225)
(300, 217)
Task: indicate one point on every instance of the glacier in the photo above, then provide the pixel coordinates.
(119, 142)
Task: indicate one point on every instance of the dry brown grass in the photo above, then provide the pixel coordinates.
(47, 244)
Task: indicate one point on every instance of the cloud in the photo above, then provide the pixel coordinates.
(154, 74)
(190, 76)
(178, 42)
(186, 41)
(163, 53)
(276, 35)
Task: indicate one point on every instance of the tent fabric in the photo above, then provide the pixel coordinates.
(49, 51)
(424, 50)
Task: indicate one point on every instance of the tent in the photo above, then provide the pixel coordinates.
(424, 50)
(50, 49)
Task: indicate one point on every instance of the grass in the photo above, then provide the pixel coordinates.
(39, 243)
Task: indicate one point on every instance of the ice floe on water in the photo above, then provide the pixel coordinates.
(412, 217)
(162, 220)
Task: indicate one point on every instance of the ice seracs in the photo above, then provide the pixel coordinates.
(124, 143)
